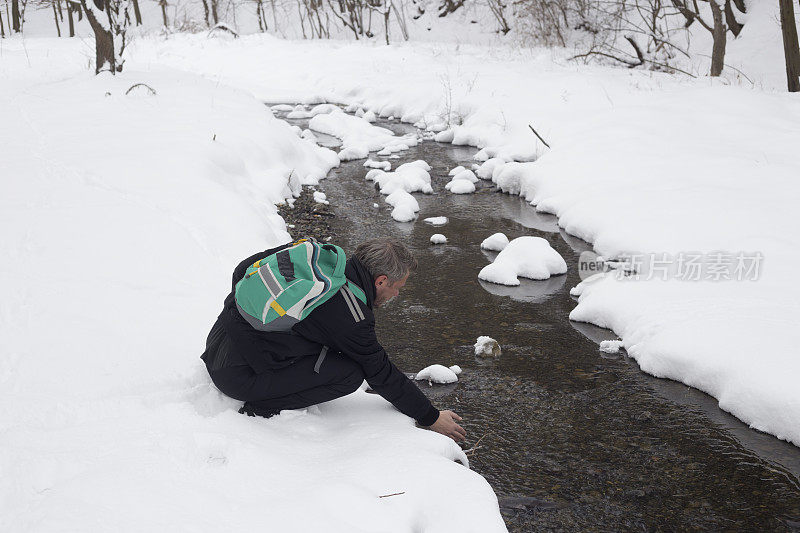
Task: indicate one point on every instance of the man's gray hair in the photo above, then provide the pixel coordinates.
(386, 256)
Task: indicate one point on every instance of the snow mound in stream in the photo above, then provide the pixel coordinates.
(405, 206)
(437, 374)
(527, 257)
(495, 242)
(438, 238)
(460, 187)
(466, 175)
(436, 221)
(410, 177)
(359, 137)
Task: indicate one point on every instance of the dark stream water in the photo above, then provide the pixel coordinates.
(609, 447)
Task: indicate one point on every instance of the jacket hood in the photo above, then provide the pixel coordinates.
(356, 272)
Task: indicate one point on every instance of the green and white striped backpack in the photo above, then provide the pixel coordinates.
(281, 289)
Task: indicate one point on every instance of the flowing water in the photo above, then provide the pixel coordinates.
(570, 438)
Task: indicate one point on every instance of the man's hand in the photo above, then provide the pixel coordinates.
(446, 425)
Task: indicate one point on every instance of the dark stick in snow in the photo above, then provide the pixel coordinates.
(135, 85)
(540, 137)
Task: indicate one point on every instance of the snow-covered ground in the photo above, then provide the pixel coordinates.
(641, 162)
(121, 219)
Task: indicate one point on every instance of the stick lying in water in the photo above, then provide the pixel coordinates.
(471, 451)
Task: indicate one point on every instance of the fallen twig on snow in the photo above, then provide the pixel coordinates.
(540, 137)
(395, 494)
(135, 85)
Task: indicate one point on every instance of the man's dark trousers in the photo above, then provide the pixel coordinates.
(292, 387)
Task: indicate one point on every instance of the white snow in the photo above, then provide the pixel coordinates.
(445, 136)
(309, 135)
(456, 170)
(606, 177)
(410, 177)
(486, 346)
(460, 186)
(528, 257)
(495, 242)
(631, 151)
(456, 370)
(358, 136)
(383, 165)
(436, 221)
(121, 219)
(488, 167)
(437, 374)
(299, 111)
(438, 238)
(321, 198)
(405, 205)
(611, 346)
(466, 175)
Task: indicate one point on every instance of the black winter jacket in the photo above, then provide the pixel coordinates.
(332, 324)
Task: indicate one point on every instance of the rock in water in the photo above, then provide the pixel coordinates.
(487, 347)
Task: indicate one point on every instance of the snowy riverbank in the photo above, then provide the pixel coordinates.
(642, 163)
(122, 218)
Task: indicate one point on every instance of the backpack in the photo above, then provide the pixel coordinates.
(283, 288)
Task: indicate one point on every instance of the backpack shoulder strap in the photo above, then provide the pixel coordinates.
(356, 290)
(352, 301)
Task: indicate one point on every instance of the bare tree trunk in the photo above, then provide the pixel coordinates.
(400, 17)
(205, 12)
(163, 4)
(2, 29)
(214, 16)
(60, 12)
(719, 36)
(790, 47)
(103, 42)
(71, 20)
(730, 19)
(387, 11)
(258, 15)
(15, 18)
(55, 17)
(136, 13)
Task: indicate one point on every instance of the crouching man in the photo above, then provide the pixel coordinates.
(328, 353)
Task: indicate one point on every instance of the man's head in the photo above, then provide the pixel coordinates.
(389, 262)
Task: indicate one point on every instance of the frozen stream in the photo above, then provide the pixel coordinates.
(611, 447)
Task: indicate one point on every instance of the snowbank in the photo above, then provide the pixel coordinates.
(528, 257)
(140, 207)
(438, 238)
